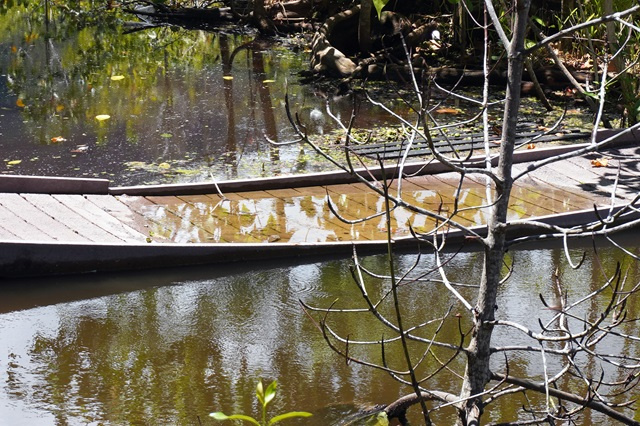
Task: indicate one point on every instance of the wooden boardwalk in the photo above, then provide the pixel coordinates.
(120, 231)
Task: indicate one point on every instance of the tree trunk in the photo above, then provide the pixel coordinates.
(364, 26)
(477, 373)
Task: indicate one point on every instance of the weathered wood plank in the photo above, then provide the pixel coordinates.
(100, 218)
(17, 227)
(284, 193)
(52, 185)
(5, 235)
(39, 219)
(63, 214)
(114, 207)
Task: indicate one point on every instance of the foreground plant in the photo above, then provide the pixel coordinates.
(264, 397)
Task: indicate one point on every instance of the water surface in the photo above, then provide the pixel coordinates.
(170, 347)
(182, 105)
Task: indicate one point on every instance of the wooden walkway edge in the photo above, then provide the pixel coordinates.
(65, 225)
(37, 258)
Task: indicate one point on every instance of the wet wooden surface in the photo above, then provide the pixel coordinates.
(303, 215)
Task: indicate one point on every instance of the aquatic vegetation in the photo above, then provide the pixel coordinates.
(264, 396)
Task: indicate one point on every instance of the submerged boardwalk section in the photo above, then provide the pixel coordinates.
(106, 229)
(299, 215)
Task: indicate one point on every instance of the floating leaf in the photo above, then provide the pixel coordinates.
(59, 107)
(600, 162)
(14, 162)
(164, 166)
(268, 81)
(166, 135)
(135, 164)
(20, 103)
(448, 111)
(81, 149)
(102, 117)
(117, 77)
(57, 139)
(227, 77)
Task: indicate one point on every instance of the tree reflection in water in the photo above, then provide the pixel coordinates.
(182, 106)
(170, 348)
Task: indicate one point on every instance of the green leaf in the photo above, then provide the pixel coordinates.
(380, 420)
(539, 21)
(379, 5)
(270, 393)
(221, 416)
(289, 415)
(260, 393)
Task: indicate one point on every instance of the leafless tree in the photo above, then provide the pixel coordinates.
(569, 340)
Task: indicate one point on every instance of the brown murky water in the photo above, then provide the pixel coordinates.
(170, 347)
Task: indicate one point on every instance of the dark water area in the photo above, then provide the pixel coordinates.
(79, 96)
(170, 347)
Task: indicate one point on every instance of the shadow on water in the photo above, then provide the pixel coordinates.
(26, 293)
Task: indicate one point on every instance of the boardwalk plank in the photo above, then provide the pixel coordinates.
(67, 216)
(19, 228)
(119, 210)
(5, 235)
(172, 215)
(101, 218)
(39, 219)
(220, 219)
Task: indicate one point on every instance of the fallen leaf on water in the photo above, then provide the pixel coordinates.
(117, 77)
(448, 111)
(227, 77)
(81, 149)
(57, 139)
(531, 146)
(166, 135)
(59, 107)
(13, 162)
(102, 117)
(600, 162)
(135, 164)
(268, 81)
(20, 103)
(164, 166)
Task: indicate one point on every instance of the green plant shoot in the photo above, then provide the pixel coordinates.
(264, 397)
